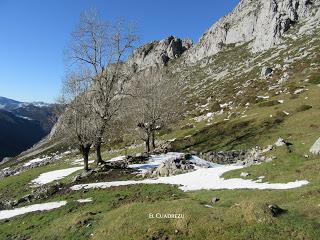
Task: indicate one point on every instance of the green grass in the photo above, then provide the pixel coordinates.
(122, 212)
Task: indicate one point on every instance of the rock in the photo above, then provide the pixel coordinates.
(214, 200)
(163, 147)
(276, 210)
(158, 53)
(315, 149)
(22, 168)
(226, 157)
(298, 91)
(266, 72)
(171, 168)
(86, 174)
(261, 22)
(44, 192)
(141, 158)
(244, 174)
(280, 142)
(121, 164)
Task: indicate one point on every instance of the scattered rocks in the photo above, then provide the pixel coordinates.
(43, 192)
(315, 149)
(22, 168)
(224, 157)
(171, 167)
(163, 147)
(141, 158)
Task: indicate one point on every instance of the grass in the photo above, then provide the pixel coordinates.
(123, 212)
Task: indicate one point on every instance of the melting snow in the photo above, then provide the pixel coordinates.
(80, 162)
(120, 158)
(48, 177)
(86, 200)
(155, 161)
(36, 160)
(206, 176)
(5, 214)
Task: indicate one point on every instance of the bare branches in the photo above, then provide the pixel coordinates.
(155, 104)
(98, 49)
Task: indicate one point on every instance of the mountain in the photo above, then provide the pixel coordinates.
(17, 134)
(32, 120)
(9, 104)
(252, 90)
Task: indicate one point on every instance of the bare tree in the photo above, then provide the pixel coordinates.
(76, 124)
(100, 48)
(155, 104)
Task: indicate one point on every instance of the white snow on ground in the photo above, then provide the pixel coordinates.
(48, 177)
(36, 160)
(5, 214)
(155, 161)
(80, 162)
(120, 158)
(202, 178)
(86, 200)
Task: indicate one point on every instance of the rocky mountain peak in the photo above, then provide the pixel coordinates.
(158, 53)
(261, 22)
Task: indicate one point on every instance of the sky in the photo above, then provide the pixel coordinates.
(35, 33)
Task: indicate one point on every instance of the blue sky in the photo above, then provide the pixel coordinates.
(34, 33)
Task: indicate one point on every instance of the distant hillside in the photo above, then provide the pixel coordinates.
(17, 134)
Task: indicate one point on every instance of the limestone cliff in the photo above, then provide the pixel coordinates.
(263, 22)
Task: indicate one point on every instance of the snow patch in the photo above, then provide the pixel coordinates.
(36, 160)
(86, 200)
(155, 161)
(49, 177)
(206, 176)
(5, 214)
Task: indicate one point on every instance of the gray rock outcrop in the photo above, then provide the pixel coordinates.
(158, 53)
(261, 22)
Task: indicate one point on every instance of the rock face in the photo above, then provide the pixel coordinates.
(158, 53)
(315, 149)
(261, 21)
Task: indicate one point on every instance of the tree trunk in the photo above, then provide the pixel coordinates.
(98, 153)
(148, 144)
(98, 145)
(85, 154)
(153, 140)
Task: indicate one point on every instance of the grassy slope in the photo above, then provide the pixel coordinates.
(122, 212)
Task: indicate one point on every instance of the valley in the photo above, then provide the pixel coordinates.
(236, 154)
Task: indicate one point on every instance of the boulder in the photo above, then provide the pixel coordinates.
(171, 168)
(281, 142)
(276, 210)
(315, 149)
(215, 199)
(266, 72)
(244, 174)
(140, 158)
